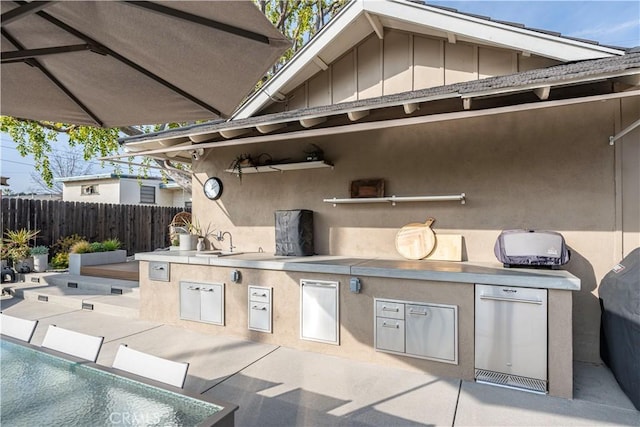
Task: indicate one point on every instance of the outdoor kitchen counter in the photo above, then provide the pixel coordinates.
(438, 271)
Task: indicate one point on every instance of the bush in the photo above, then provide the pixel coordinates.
(111, 244)
(63, 244)
(81, 247)
(97, 247)
(60, 260)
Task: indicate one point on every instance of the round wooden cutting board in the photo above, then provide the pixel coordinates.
(416, 240)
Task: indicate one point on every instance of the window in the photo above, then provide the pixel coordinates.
(147, 194)
(88, 190)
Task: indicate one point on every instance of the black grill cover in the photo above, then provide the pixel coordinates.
(294, 232)
(620, 324)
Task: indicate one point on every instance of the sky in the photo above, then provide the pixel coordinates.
(613, 23)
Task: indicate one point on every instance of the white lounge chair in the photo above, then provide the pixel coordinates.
(16, 327)
(152, 367)
(73, 343)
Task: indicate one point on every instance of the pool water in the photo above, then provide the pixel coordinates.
(38, 389)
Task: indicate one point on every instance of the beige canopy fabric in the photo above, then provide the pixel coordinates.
(118, 63)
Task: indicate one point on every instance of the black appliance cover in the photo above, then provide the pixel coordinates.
(620, 324)
(294, 232)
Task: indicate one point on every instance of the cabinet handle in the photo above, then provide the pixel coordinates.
(255, 307)
(158, 267)
(385, 308)
(394, 326)
(526, 301)
(208, 290)
(255, 294)
(421, 313)
(192, 288)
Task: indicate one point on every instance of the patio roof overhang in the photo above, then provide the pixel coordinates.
(568, 84)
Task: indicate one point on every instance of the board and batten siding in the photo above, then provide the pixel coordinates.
(403, 62)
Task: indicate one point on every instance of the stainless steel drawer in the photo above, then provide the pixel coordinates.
(390, 334)
(159, 270)
(259, 316)
(392, 310)
(259, 294)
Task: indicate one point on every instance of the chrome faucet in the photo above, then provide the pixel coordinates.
(220, 238)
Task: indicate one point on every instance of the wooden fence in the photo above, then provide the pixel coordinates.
(139, 228)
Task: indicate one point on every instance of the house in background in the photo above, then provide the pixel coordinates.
(123, 190)
(532, 130)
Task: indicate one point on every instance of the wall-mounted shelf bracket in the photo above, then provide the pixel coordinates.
(632, 126)
(398, 199)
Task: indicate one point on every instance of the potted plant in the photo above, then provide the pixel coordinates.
(17, 247)
(95, 253)
(242, 161)
(194, 238)
(40, 256)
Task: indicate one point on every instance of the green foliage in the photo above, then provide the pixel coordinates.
(40, 250)
(81, 247)
(16, 243)
(111, 244)
(60, 260)
(97, 247)
(64, 244)
(84, 247)
(299, 20)
(36, 138)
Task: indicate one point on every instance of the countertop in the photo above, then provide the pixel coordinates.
(444, 271)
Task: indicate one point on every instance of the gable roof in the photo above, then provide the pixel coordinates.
(582, 81)
(360, 18)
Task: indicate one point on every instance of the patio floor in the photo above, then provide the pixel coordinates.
(278, 386)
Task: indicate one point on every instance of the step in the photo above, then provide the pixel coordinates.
(99, 284)
(127, 305)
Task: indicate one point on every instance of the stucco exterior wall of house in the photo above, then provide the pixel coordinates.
(543, 169)
(130, 191)
(403, 62)
(122, 190)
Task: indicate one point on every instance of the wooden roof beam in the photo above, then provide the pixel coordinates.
(542, 92)
(268, 128)
(354, 116)
(311, 122)
(375, 24)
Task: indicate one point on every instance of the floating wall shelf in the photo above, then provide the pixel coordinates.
(395, 199)
(281, 167)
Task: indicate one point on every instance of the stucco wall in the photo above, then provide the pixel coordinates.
(543, 169)
(108, 191)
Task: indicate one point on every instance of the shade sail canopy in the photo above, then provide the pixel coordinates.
(118, 63)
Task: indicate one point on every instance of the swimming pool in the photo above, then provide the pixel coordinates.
(40, 389)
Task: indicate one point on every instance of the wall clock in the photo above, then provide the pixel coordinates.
(213, 188)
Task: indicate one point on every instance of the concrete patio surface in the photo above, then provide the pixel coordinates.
(278, 386)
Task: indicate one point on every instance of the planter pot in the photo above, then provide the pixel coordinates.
(40, 262)
(76, 261)
(25, 265)
(188, 242)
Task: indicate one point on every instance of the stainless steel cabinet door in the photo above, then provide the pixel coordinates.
(212, 304)
(190, 301)
(431, 331)
(390, 334)
(511, 330)
(319, 311)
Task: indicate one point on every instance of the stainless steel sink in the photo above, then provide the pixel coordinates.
(217, 254)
